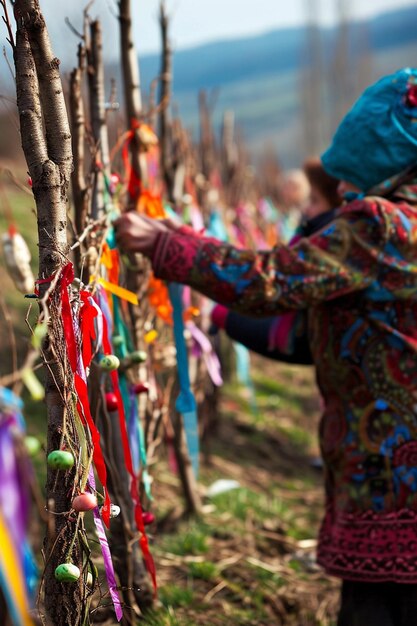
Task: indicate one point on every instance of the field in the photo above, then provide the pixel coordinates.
(250, 559)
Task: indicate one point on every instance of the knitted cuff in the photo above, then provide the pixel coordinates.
(219, 316)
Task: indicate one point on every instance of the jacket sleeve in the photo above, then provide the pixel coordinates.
(266, 336)
(342, 258)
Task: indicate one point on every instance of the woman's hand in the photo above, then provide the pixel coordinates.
(138, 233)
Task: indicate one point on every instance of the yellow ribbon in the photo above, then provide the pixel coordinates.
(121, 292)
(12, 571)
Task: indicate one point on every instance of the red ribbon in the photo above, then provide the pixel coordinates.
(84, 411)
(134, 492)
(88, 332)
(134, 185)
(83, 406)
(67, 276)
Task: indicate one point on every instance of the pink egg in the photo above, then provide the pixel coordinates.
(84, 502)
(141, 388)
(111, 401)
(148, 517)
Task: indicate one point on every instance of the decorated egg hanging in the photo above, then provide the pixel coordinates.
(67, 573)
(33, 445)
(111, 401)
(141, 388)
(60, 460)
(139, 356)
(148, 517)
(109, 363)
(84, 502)
(117, 340)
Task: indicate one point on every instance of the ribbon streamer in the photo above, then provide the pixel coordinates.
(11, 579)
(203, 347)
(134, 492)
(108, 563)
(118, 291)
(185, 403)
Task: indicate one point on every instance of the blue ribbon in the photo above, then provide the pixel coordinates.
(185, 403)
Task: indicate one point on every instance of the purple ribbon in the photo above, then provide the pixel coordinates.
(108, 563)
(203, 346)
(14, 501)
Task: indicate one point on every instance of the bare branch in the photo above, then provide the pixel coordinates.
(165, 133)
(80, 188)
(6, 58)
(73, 29)
(6, 20)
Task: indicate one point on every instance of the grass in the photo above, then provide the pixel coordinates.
(176, 596)
(205, 570)
(242, 503)
(241, 563)
(191, 539)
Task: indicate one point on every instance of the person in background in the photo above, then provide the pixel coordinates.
(357, 278)
(295, 191)
(284, 338)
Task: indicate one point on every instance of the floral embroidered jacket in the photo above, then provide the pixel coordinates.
(358, 279)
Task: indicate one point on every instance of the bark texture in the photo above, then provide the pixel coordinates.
(46, 142)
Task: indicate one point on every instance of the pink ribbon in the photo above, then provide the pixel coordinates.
(204, 347)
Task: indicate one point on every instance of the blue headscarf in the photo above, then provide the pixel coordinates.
(378, 137)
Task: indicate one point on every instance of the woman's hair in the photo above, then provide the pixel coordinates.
(326, 184)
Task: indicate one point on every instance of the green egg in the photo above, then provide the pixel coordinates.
(139, 356)
(109, 363)
(33, 445)
(117, 340)
(60, 460)
(67, 573)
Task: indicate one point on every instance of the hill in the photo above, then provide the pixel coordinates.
(260, 77)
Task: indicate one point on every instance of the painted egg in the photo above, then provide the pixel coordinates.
(148, 517)
(109, 363)
(84, 502)
(114, 510)
(67, 573)
(60, 460)
(117, 340)
(139, 356)
(141, 388)
(33, 445)
(111, 401)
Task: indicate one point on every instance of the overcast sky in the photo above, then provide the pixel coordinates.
(199, 21)
(193, 21)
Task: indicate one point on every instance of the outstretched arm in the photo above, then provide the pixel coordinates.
(340, 259)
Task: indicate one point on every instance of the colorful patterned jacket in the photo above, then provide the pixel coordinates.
(358, 279)
(282, 337)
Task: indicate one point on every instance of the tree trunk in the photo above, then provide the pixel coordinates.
(80, 191)
(101, 166)
(46, 142)
(131, 84)
(165, 130)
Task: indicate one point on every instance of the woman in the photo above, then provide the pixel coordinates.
(358, 280)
